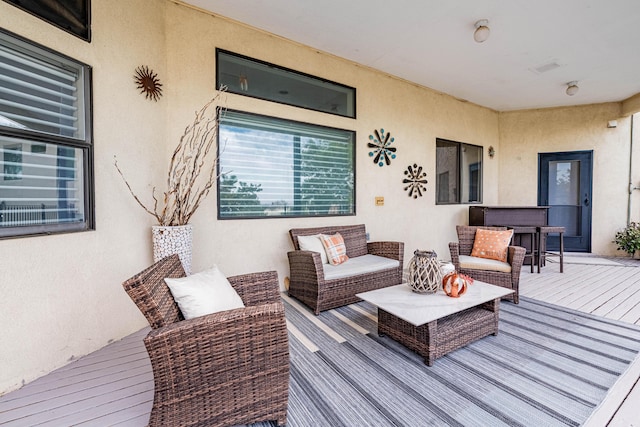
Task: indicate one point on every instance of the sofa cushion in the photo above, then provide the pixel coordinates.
(314, 244)
(335, 248)
(359, 265)
(491, 244)
(476, 263)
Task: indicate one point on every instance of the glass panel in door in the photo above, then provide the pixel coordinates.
(564, 195)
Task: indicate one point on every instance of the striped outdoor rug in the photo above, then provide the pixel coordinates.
(548, 366)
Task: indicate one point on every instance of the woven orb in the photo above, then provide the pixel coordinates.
(424, 272)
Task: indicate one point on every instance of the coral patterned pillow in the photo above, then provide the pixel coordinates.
(335, 248)
(491, 244)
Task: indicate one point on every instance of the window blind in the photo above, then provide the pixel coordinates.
(39, 94)
(45, 140)
(276, 167)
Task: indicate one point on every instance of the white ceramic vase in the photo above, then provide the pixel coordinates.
(169, 240)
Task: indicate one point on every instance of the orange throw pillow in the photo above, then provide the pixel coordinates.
(335, 248)
(491, 244)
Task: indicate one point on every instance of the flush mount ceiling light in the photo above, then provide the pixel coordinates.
(572, 88)
(482, 30)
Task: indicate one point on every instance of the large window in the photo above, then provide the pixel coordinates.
(45, 140)
(273, 168)
(250, 77)
(458, 172)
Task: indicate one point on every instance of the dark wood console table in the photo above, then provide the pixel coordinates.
(512, 216)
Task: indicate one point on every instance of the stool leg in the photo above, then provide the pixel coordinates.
(561, 254)
(533, 250)
(539, 251)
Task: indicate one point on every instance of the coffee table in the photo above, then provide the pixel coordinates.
(433, 325)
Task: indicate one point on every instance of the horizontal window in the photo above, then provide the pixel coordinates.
(45, 145)
(458, 172)
(273, 167)
(250, 77)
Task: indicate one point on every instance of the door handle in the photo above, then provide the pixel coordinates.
(586, 199)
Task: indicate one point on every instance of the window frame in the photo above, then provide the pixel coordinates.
(85, 144)
(269, 65)
(220, 172)
(458, 175)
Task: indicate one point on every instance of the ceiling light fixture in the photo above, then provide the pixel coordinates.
(572, 88)
(482, 30)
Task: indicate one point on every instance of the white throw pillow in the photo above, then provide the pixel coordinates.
(313, 243)
(204, 293)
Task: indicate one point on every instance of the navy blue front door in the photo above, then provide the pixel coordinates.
(564, 184)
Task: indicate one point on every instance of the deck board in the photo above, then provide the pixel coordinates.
(114, 385)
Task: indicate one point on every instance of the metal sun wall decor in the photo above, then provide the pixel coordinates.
(416, 180)
(148, 83)
(383, 151)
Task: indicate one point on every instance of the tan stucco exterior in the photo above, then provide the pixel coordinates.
(62, 294)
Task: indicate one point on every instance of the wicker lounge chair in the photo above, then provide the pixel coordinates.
(308, 283)
(515, 258)
(221, 369)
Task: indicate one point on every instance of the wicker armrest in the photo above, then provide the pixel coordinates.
(257, 288)
(393, 250)
(204, 328)
(454, 251)
(515, 257)
(306, 266)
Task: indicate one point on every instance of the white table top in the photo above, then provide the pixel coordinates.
(419, 309)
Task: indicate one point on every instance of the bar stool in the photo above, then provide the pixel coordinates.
(532, 231)
(544, 230)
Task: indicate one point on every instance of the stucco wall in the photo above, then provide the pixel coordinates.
(524, 134)
(62, 294)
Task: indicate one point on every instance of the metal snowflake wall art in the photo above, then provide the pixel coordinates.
(416, 180)
(383, 153)
(148, 83)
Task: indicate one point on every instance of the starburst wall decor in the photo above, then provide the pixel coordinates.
(382, 152)
(148, 82)
(416, 180)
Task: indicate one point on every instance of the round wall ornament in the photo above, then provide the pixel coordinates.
(380, 142)
(148, 82)
(416, 179)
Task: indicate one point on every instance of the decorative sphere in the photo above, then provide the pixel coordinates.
(455, 284)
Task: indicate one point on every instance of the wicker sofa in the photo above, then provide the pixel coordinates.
(320, 286)
(224, 368)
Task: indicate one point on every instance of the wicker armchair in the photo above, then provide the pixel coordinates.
(222, 369)
(515, 258)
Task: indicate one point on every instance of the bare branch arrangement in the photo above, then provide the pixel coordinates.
(192, 170)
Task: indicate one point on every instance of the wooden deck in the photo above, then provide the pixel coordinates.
(114, 386)
(607, 287)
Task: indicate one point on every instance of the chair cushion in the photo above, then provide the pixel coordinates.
(491, 244)
(314, 244)
(359, 265)
(476, 263)
(335, 248)
(204, 293)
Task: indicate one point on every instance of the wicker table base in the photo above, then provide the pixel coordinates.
(433, 325)
(441, 336)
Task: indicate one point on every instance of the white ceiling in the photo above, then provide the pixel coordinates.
(430, 42)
